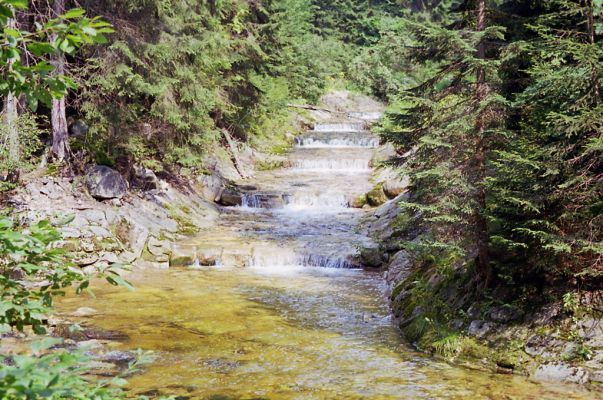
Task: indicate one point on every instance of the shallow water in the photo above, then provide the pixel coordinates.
(308, 333)
(284, 316)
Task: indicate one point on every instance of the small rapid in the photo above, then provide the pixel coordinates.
(340, 127)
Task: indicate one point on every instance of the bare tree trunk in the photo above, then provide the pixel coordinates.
(60, 132)
(234, 152)
(481, 224)
(11, 114)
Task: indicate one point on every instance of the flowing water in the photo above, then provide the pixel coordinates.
(285, 313)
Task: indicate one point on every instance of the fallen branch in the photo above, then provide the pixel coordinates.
(314, 108)
(234, 152)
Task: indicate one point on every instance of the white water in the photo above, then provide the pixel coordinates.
(317, 201)
(342, 165)
(340, 127)
(338, 143)
(285, 258)
(367, 116)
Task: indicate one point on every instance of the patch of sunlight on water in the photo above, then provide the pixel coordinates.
(247, 334)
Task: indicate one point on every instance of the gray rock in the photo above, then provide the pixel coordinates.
(92, 216)
(596, 376)
(541, 346)
(86, 260)
(394, 187)
(137, 237)
(371, 256)
(479, 328)
(99, 232)
(52, 190)
(474, 311)
(561, 372)
(104, 183)
(145, 178)
(127, 257)
(84, 312)
(547, 314)
(399, 268)
(71, 233)
(87, 246)
(118, 357)
(211, 185)
(78, 128)
(504, 314)
(158, 247)
(110, 258)
(230, 198)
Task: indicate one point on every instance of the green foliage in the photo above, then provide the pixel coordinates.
(30, 144)
(35, 77)
(33, 271)
(504, 144)
(59, 374)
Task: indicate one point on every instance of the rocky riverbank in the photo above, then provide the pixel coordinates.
(556, 339)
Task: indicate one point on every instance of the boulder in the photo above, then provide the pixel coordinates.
(358, 202)
(158, 247)
(118, 357)
(394, 187)
(400, 267)
(104, 183)
(561, 372)
(480, 328)
(182, 256)
(504, 314)
(78, 128)
(371, 256)
(376, 197)
(230, 197)
(210, 186)
(145, 178)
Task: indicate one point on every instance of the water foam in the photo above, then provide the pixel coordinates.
(364, 142)
(340, 127)
(343, 165)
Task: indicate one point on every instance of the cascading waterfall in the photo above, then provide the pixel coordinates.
(316, 201)
(286, 257)
(250, 200)
(345, 165)
(370, 142)
(340, 127)
(307, 206)
(367, 116)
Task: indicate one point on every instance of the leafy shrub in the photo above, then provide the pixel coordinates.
(59, 374)
(33, 271)
(29, 142)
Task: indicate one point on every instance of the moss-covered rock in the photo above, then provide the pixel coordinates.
(376, 196)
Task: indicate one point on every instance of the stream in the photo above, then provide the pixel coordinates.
(286, 313)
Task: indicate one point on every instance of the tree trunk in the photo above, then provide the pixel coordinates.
(590, 31)
(60, 133)
(234, 152)
(10, 118)
(481, 224)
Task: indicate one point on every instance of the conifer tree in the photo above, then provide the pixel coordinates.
(449, 123)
